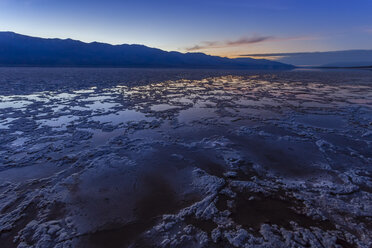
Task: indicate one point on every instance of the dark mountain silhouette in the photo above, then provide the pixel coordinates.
(21, 50)
(350, 64)
(346, 58)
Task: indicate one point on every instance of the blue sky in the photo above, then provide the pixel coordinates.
(218, 27)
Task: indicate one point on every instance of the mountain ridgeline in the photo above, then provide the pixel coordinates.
(21, 50)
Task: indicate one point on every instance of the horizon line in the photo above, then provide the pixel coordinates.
(186, 52)
(299, 53)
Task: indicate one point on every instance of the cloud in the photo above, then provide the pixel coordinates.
(229, 43)
(274, 54)
(251, 40)
(246, 41)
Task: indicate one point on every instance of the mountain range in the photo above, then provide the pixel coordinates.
(22, 50)
(345, 58)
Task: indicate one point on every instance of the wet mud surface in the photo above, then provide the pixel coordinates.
(171, 158)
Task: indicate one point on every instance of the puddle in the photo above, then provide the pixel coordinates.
(121, 117)
(59, 122)
(14, 104)
(84, 91)
(101, 137)
(101, 106)
(65, 96)
(96, 98)
(163, 107)
(19, 141)
(323, 121)
(195, 114)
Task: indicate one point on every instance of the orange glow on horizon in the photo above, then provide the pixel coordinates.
(234, 56)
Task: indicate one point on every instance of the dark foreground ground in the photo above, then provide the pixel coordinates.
(171, 158)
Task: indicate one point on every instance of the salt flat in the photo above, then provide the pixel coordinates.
(185, 158)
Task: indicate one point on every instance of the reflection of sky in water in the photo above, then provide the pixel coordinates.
(182, 100)
(84, 91)
(14, 104)
(59, 122)
(63, 96)
(19, 141)
(256, 112)
(196, 113)
(121, 117)
(100, 137)
(162, 107)
(323, 121)
(257, 102)
(101, 105)
(190, 101)
(96, 98)
(4, 123)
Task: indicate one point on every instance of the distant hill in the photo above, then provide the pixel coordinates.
(21, 50)
(350, 64)
(347, 58)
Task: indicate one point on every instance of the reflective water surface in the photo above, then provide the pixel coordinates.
(173, 158)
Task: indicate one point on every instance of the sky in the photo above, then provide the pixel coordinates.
(217, 27)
